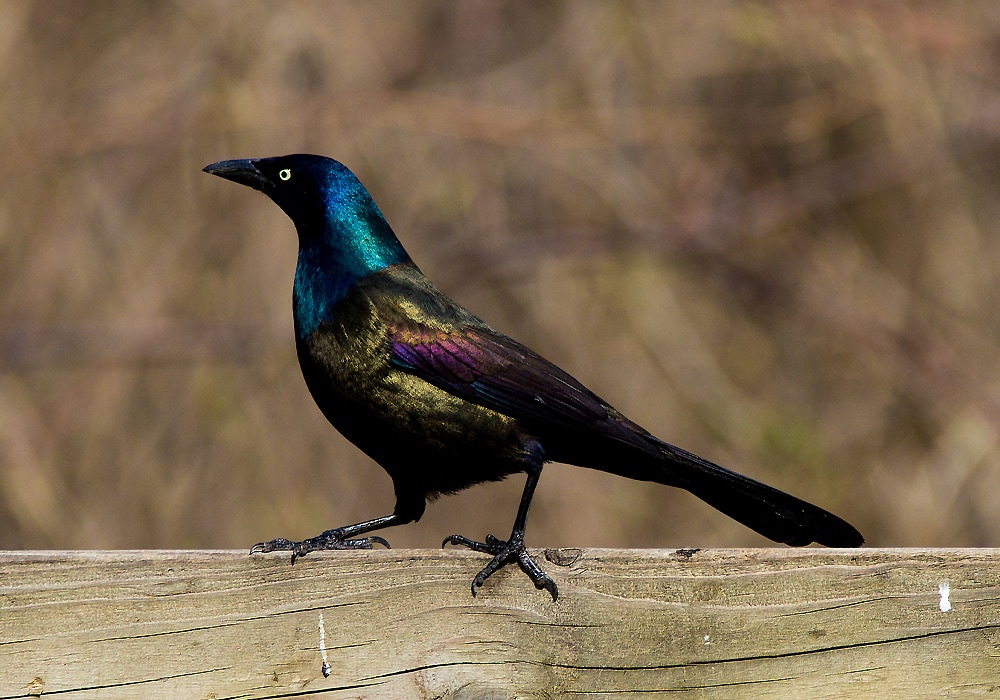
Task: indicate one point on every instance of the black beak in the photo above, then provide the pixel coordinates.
(243, 171)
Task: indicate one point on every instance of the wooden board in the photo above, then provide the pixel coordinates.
(769, 623)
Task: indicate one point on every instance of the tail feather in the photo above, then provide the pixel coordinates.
(772, 513)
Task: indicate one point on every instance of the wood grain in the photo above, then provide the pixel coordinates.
(770, 623)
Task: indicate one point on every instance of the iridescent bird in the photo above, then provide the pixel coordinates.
(443, 401)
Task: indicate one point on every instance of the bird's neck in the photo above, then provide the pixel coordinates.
(330, 264)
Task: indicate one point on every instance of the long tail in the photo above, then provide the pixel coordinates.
(774, 514)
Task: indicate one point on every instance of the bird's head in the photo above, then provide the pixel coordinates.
(331, 209)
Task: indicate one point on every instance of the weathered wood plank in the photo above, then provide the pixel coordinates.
(773, 623)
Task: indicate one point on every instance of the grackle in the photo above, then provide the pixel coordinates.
(443, 401)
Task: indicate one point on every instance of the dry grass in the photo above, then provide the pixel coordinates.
(767, 232)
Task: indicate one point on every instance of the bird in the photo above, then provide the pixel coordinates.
(442, 401)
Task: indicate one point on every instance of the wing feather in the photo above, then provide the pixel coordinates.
(490, 369)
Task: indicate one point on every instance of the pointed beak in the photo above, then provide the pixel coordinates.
(243, 171)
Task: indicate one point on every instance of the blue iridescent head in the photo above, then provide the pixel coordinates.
(328, 204)
(343, 236)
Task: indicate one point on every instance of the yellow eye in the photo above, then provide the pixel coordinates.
(285, 174)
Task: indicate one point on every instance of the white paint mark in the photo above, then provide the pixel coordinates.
(706, 640)
(322, 648)
(944, 589)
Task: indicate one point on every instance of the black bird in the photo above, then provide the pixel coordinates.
(443, 401)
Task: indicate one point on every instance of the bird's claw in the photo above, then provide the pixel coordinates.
(505, 552)
(492, 545)
(331, 539)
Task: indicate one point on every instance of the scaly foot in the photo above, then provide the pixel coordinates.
(331, 539)
(505, 552)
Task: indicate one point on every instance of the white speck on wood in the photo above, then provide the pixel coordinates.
(322, 648)
(944, 590)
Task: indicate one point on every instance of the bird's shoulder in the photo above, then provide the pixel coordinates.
(395, 305)
(403, 298)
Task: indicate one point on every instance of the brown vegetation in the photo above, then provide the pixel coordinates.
(765, 231)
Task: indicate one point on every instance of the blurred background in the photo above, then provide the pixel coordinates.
(767, 232)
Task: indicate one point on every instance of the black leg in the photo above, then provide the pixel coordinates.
(338, 538)
(513, 549)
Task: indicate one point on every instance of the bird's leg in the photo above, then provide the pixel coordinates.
(338, 538)
(513, 549)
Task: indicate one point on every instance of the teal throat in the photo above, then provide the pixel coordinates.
(346, 250)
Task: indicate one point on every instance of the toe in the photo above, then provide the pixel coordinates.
(279, 544)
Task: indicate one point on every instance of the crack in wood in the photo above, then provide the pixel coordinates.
(784, 655)
(123, 684)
